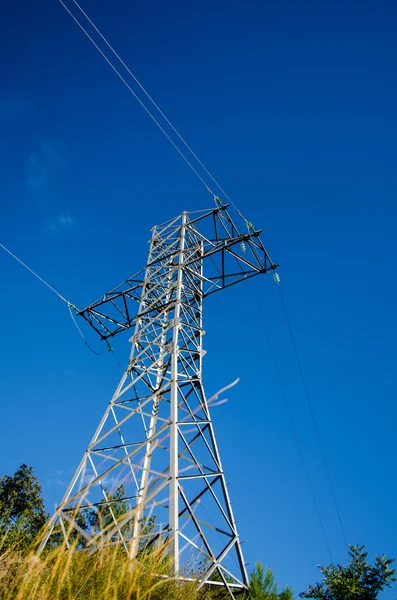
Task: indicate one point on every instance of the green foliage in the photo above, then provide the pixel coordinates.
(263, 586)
(103, 517)
(211, 592)
(358, 581)
(22, 513)
(57, 538)
(107, 573)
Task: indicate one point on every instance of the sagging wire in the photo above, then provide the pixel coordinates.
(313, 417)
(71, 307)
(154, 104)
(291, 420)
(134, 94)
(110, 349)
(35, 274)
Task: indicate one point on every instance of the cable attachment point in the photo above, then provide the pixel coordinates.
(109, 347)
(72, 306)
(218, 201)
(276, 277)
(249, 226)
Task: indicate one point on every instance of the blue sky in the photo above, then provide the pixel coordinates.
(292, 106)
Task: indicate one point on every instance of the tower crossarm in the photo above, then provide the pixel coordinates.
(155, 443)
(114, 312)
(227, 254)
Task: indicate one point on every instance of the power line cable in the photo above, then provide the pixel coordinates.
(136, 96)
(80, 332)
(292, 423)
(314, 420)
(153, 103)
(36, 275)
(70, 306)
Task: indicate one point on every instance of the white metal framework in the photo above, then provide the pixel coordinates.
(155, 443)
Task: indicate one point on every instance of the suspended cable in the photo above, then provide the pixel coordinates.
(35, 274)
(136, 96)
(307, 395)
(110, 349)
(153, 103)
(70, 306)
(292, 423)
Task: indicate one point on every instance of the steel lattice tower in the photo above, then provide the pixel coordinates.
(156, 437)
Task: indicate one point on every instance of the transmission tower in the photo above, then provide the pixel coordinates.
(155, 443)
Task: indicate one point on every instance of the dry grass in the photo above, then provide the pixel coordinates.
(76, 575)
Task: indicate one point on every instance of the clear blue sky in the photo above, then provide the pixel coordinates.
(293, 106)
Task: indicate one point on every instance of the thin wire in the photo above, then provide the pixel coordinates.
(325, 462)
(158, 108)
(69, 304)
(291, 419)
(116, 359)
(80, 332)
(35, 274)
(137, 97)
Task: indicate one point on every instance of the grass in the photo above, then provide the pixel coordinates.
(77, 575)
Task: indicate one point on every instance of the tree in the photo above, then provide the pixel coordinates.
(22, 512)
(117, 506)
(263, 586)
(93, 521)
(358, 581)
(102, 517)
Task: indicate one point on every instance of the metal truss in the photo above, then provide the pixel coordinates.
(156, 437)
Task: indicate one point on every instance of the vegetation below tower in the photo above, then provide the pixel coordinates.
(77, 573)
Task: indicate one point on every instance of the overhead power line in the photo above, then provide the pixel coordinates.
(152, 101)
(36, 275)
(292, 423)
(313, 418)
(71, 306)
(134, 94)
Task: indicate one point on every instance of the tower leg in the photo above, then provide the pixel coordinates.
(155, 448)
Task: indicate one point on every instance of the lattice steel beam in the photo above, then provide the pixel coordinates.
(156, 438)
